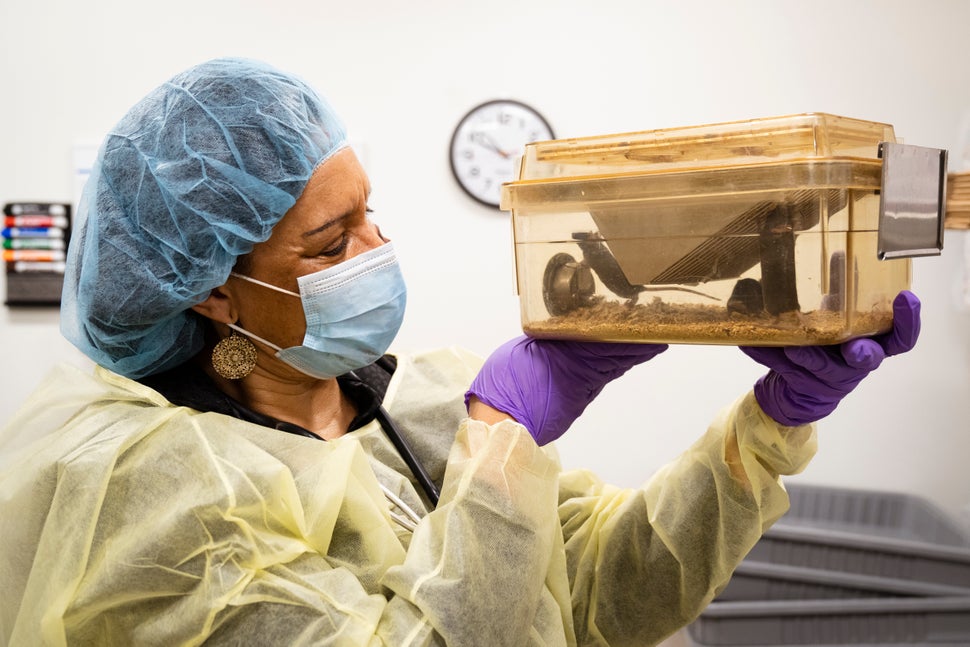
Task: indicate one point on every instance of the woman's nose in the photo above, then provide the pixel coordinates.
(378, 236)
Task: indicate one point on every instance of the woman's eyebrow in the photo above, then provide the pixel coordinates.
(327, 225)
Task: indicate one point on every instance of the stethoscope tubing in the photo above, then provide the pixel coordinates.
(408, 455)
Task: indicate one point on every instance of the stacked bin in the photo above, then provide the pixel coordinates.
(848, 567)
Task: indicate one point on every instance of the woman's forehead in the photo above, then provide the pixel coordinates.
(339, 187)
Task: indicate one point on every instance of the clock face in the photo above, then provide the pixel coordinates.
(487, 144)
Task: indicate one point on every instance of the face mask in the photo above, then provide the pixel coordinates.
(353, 312)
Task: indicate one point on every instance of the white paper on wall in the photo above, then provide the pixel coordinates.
(84, 155)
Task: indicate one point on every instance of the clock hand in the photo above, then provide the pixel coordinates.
(490, 144)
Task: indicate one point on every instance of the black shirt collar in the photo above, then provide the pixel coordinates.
(188, 385)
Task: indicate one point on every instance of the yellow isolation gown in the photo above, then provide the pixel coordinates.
(126, 520)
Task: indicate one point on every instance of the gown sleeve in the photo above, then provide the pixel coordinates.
(643, 563)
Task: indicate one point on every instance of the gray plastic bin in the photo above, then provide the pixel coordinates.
(754, 580)
(855, 543)
(886, 514)
(848, 567)
(867, 555)
(896, 622)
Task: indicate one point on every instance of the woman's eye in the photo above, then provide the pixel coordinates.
(336, 249)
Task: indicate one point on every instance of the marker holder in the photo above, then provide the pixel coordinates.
(34, 238)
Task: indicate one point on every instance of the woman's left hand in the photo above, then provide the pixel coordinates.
(806, 383)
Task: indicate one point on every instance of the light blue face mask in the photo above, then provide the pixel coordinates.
(353, 312)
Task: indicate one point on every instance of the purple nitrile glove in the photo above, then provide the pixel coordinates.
(806, 383)
(545, 384)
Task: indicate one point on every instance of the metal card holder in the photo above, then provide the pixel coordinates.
(913, 198)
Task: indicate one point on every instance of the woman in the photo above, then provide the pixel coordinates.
(227, 280)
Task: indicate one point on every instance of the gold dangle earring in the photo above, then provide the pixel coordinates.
(234, 357)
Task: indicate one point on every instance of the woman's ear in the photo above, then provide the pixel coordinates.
(218, 306)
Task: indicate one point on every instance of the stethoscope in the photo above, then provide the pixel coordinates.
(411, 519)
(410, 458)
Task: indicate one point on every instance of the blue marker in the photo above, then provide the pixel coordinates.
(33, 232)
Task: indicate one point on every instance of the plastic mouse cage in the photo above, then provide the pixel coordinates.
(779, 231)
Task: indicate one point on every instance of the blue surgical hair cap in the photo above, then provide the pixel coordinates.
(189, 180)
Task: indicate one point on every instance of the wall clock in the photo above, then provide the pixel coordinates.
(488, 142)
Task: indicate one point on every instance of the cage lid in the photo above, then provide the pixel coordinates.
(753, 141)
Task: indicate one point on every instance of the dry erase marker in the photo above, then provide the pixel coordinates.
(33, 243)
(46, 208)
(11, 255)
(33, 232)
(22, 267)
(36, 221)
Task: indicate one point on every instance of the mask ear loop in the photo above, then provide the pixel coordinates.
(265, 284)
(256, 337)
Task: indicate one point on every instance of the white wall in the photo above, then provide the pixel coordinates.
(402, 74)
